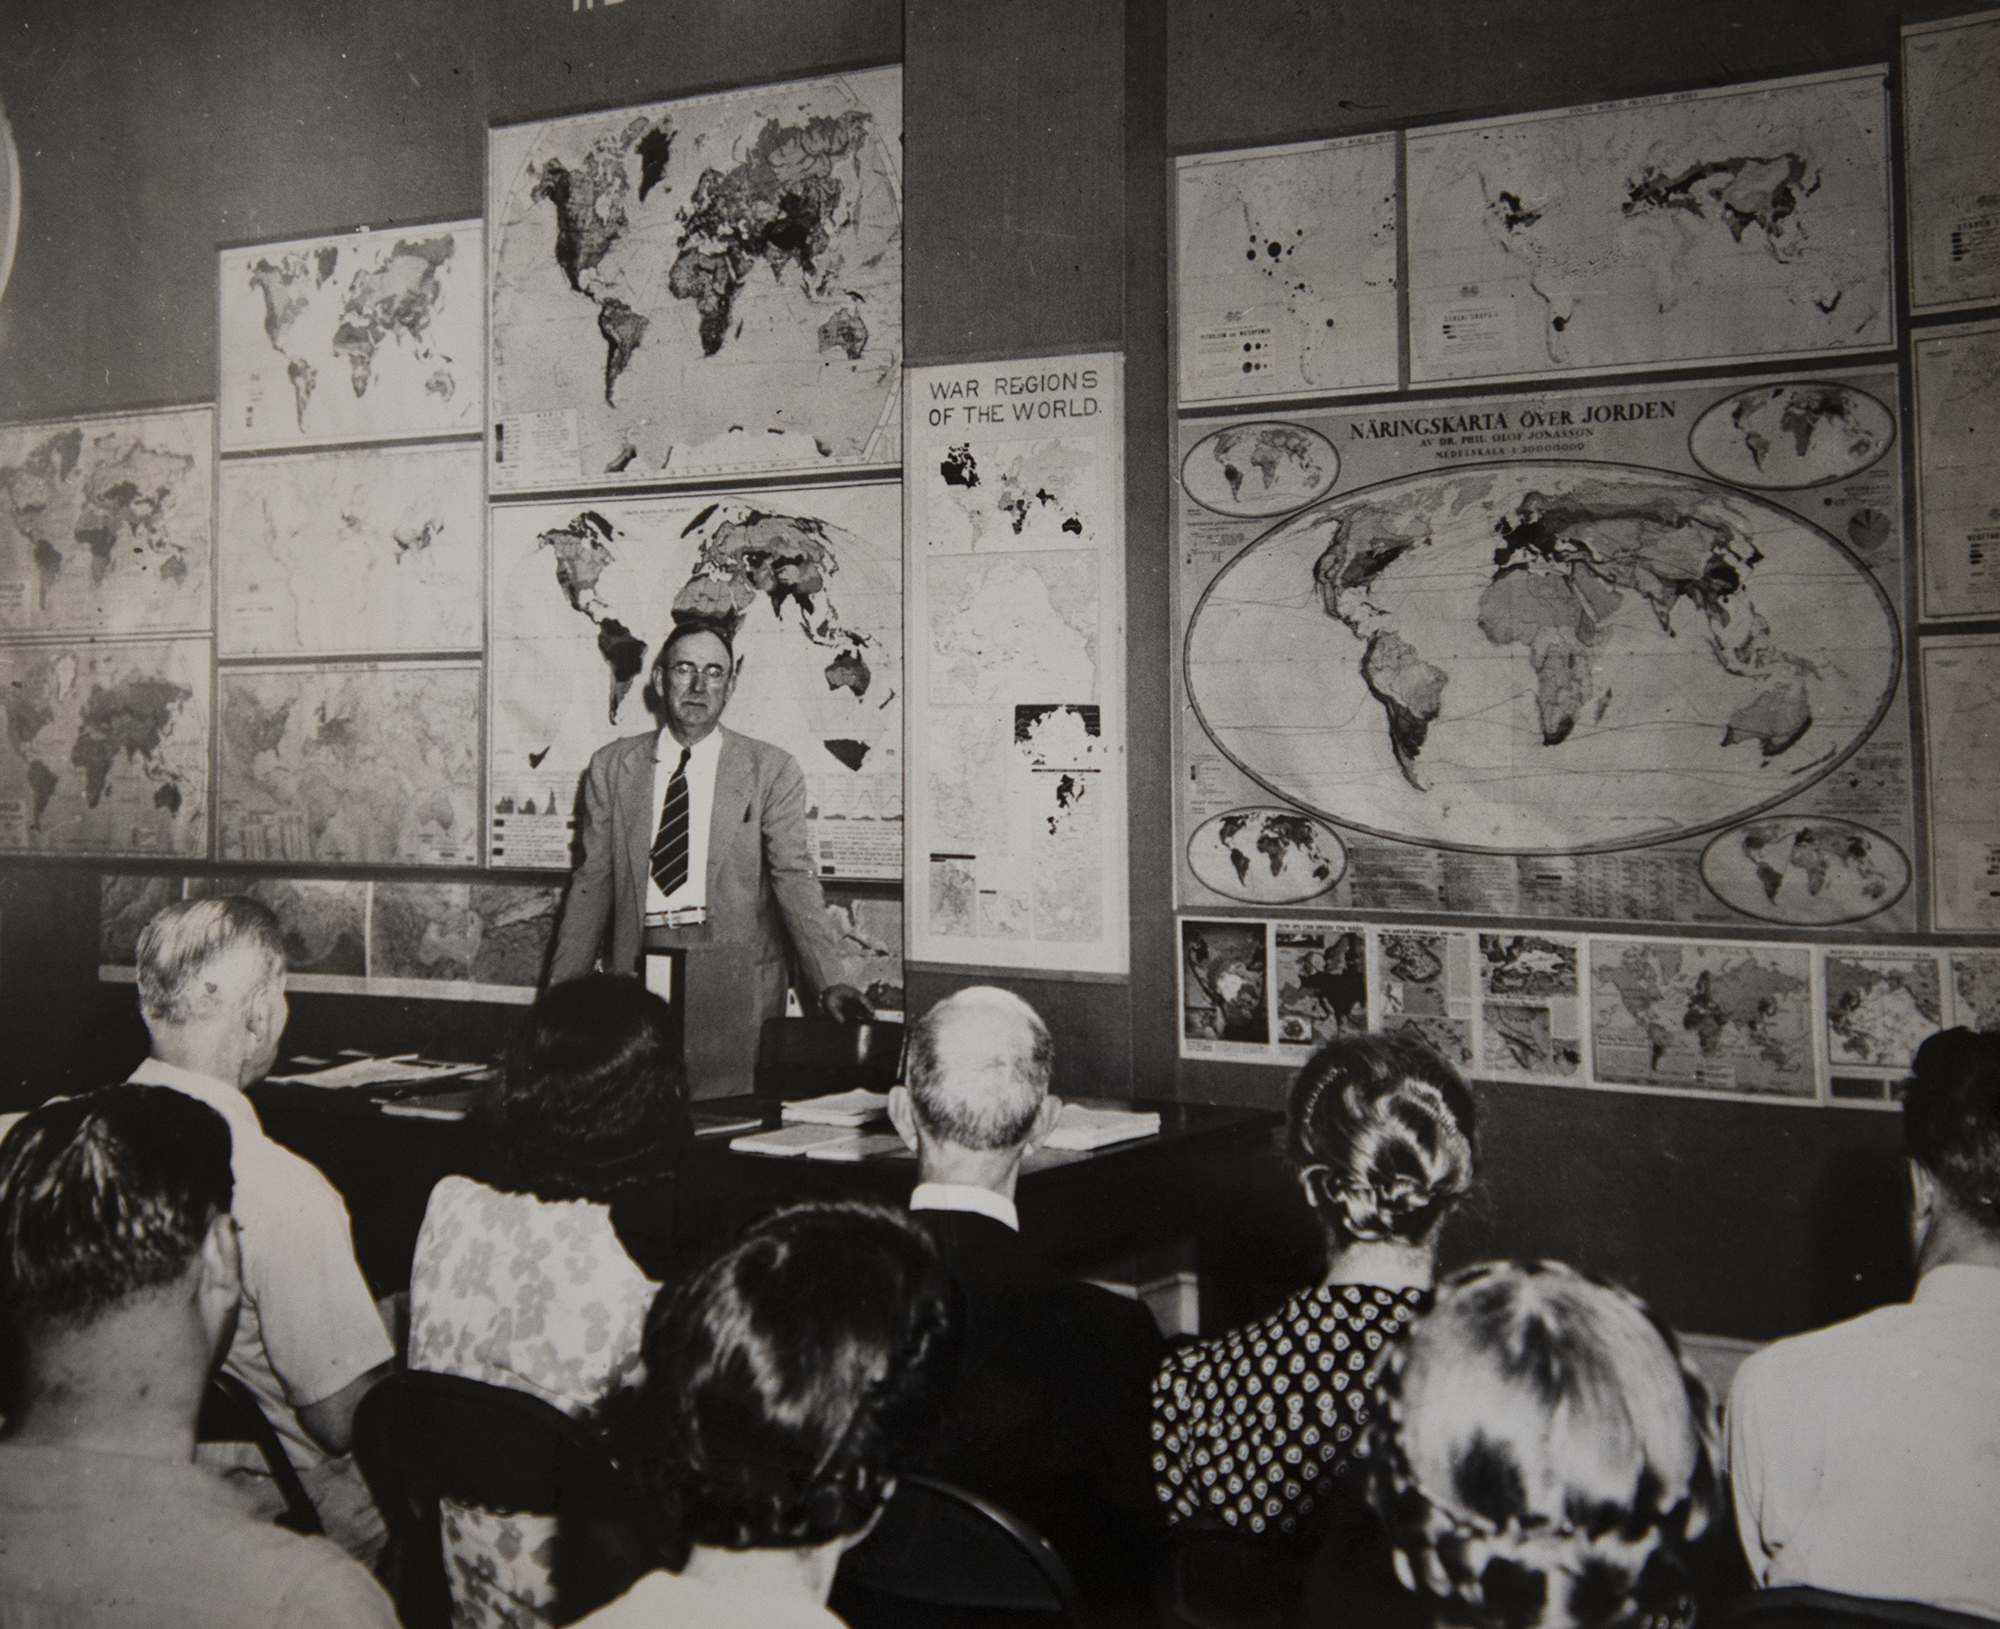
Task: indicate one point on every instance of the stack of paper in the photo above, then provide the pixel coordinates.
(818, 1142)
(1080, 1128)
(405, 1066)
(855, 1108)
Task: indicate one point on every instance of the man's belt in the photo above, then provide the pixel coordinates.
(684, 916)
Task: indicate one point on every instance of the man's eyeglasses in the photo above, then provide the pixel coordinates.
(683, 673)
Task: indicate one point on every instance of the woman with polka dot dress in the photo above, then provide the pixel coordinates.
(1252, 1429)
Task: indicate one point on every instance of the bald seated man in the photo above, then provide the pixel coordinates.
(1047, 1411)
(310, 1340)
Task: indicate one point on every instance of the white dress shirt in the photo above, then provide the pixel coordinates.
(1866, 1457)
(702, 759)
(958, 1196)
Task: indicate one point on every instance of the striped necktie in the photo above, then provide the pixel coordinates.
(670, 847)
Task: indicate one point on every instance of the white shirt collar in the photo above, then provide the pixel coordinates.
(1959, 1285)
(704, 752)
(958, 1196)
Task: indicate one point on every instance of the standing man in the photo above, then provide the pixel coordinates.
(1047, 1411)
(1866, 1457)
(120, 1270)
(694, 840)
(310, 1340)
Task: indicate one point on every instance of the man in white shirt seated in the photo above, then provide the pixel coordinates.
(310, 1341)
(120, 1271)
(1047, 1412)
(1866, 1457)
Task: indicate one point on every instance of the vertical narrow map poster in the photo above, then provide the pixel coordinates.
(1958, 469)
(1014, 566)
(1961, 689)
(1951, 150)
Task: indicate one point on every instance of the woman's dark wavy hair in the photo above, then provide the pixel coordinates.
(592, 1100)
(789, 1380)
(1380, 1129)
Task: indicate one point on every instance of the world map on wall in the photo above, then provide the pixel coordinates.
(1600, 237)
(1792, 435)
(104, 524)
(1266, 856)
(1253, 470)
(1721, 1017)
(1541, 657)
(708, 286)
(361, 334)
(107, 748)
(1806, 871)
(810, 579)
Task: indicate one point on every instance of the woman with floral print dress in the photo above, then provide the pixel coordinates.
(524, 1282)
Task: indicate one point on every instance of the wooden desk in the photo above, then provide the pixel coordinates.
(1079, 1209)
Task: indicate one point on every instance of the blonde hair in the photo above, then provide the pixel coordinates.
(1542, 1455)
(1380, 1129)
(178, 946)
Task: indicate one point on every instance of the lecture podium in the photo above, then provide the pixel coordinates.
(1080, 1210)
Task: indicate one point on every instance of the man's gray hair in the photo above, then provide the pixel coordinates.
(979, 1069)
(184, 940)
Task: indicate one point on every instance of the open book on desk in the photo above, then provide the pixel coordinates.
(855, 1108)
(1080, 1129)
(819, 1143)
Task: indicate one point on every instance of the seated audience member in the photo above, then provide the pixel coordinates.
(310, 1341)
(1866, 1457)
(786, 1385)
(1046, 1415)
(527, 1283)
(1253, 1427)
(120, 1272)
(1539, 1454)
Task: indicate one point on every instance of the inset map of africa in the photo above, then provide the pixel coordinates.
(584, 590)
(702, 287)
(107, 748)
(1541, 657)
(105, 523)
(1717, 226)
(359, 336)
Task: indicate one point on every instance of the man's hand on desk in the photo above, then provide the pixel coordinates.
(844, 1002)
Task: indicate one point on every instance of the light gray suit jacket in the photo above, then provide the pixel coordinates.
(762, 890)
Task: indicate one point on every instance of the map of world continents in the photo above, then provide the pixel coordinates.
(710, 286)
(1541, 657)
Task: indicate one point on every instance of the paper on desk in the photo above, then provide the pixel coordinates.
(837, 1109)
(374, 1071)
(789, 1142)
(1080, 1128)
(857, 1146)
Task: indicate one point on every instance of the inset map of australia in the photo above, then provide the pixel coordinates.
(702, 287)
(359, 336)
(1720, 226)
(105, 523)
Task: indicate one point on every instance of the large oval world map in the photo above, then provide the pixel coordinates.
(1541, 657)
